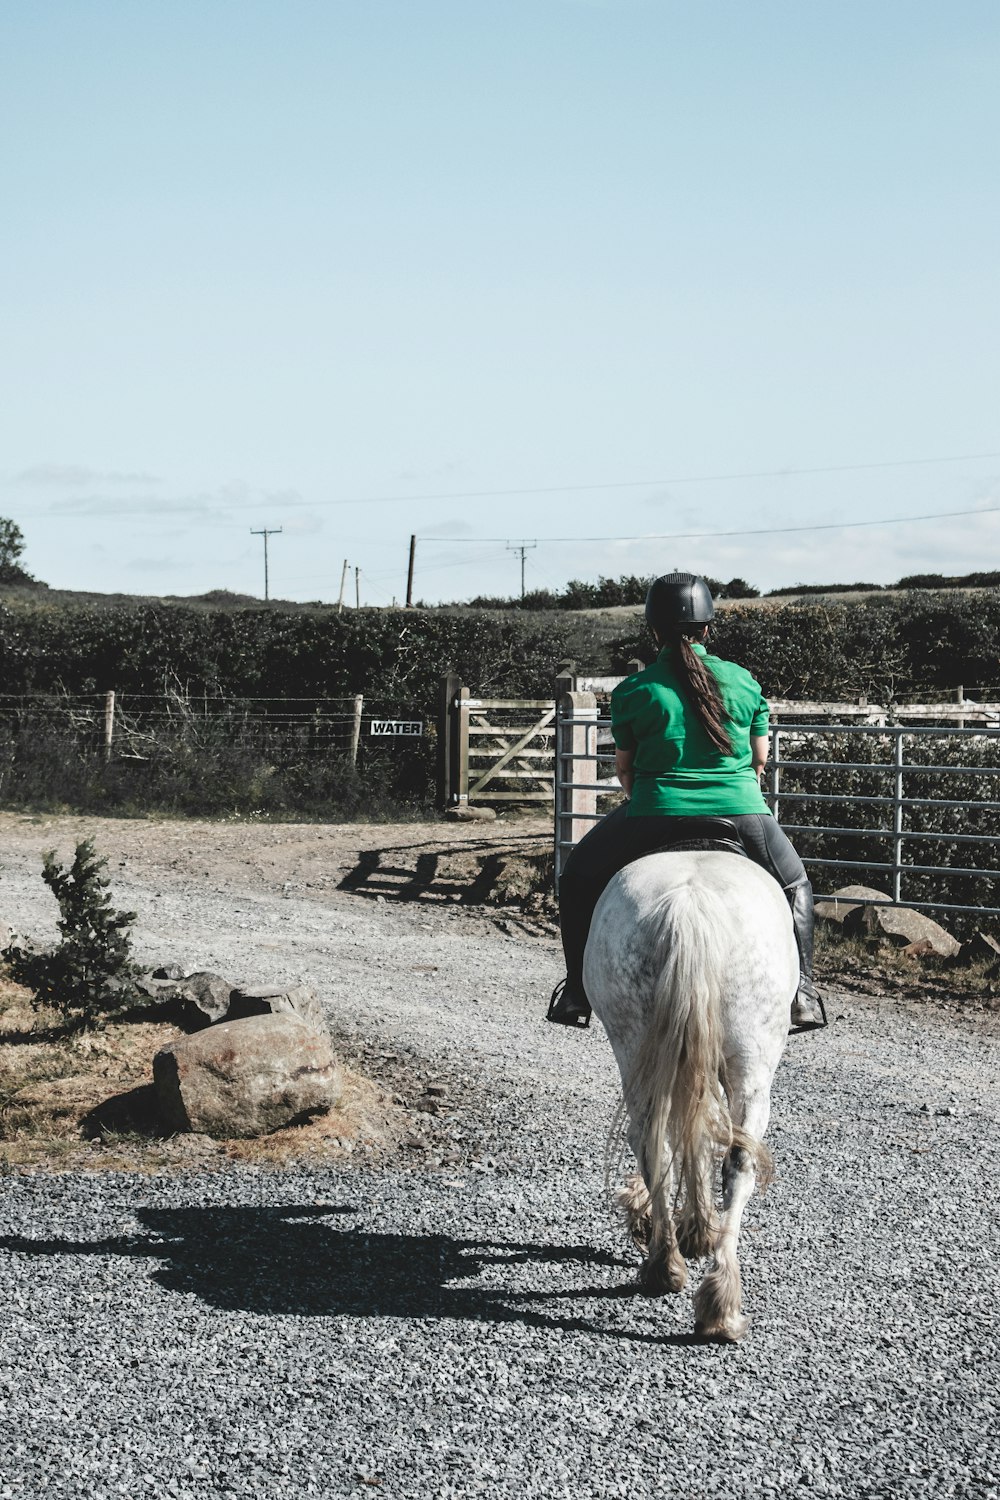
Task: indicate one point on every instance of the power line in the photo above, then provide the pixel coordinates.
(162, 510)
(687, 536)
(642, 484)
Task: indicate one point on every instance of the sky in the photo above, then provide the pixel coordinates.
(620, 281)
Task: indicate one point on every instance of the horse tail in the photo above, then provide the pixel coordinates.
(678, 1089)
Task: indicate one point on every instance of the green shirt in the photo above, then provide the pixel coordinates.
(678, 771)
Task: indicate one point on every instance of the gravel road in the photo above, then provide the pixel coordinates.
(471, 1328)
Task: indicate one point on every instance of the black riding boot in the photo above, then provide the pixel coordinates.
(807, 1007)
(569, 1005)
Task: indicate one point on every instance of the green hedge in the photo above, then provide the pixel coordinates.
(275, 653)
(883, 647)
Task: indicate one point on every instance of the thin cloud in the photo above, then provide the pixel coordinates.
(447, 470)
(133, 505)
(225, 504)
(159, 565)
(77, 474)
(308, 524)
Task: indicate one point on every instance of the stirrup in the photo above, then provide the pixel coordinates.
(808, 1010)
(567, 1010)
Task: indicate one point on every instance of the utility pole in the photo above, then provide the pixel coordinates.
(357, 588)
(343, 580)
(275, 531)
(409, 572)
(522, 547)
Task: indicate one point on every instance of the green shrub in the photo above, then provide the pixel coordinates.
(90, 971)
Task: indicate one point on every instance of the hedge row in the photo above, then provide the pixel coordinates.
(882, 647)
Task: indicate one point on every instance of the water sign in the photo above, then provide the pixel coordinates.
(393, 728)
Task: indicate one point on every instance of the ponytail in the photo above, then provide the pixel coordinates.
(704, 695)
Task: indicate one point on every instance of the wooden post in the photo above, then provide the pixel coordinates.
(565, 678)
(109, 723)
(446, 747)
(359, 699)
(460, 796)
(576, 772)
(343, 580)
(409, 573)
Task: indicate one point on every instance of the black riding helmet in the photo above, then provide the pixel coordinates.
(678, 599)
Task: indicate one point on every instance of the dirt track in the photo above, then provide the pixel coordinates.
(462, 1320)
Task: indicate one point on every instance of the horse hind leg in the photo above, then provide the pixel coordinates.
(718, 1300)
(632, 1202)
(663, 1270)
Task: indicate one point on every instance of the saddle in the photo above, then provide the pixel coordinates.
(700, 834)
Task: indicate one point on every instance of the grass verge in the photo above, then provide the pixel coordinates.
(870, 967)
(73, 1100)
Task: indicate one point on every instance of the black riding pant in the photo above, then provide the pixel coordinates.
(617, 840)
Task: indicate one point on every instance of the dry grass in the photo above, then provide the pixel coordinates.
(868, 966)
(83, 1100)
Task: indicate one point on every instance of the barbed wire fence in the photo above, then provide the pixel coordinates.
(204, 749)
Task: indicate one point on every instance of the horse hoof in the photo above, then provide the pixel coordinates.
(658, 1280)
(730, 1332)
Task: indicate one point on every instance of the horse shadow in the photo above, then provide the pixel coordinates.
(299, 1260)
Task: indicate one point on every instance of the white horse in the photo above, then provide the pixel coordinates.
(691, 965)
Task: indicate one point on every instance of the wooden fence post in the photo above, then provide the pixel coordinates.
(460, 794)
(446, 746)
(109, 723)
(359, 699)
(575, 772)
(565, 678)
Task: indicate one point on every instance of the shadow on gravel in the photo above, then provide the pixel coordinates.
(376, 874)
(294, 1261)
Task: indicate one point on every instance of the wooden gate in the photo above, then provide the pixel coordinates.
(494, 749)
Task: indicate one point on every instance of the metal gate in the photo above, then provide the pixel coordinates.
(899, 824)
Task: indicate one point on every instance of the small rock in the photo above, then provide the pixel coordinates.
(903, 926)
(168, 971)
(471, 815)
(203, 999)
(981, 947)
(269, 1000)
(919, 949)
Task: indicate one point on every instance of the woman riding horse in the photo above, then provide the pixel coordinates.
(691, 743)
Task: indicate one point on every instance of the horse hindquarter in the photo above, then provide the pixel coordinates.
(691, 967)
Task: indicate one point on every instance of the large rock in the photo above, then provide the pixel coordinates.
(246, 1078)
(273, 1000)
(902, 926)
(840, 905)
